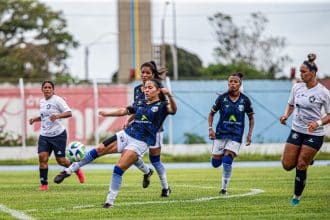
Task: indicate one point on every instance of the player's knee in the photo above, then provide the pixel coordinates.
(302, 165)
(287, 166)
(216, 162)
(227, 159)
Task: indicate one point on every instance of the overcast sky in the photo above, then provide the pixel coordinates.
(305, 25)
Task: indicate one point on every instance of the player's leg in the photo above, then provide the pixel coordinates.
(135, 149)
(90, 156)
(217, 152)
(231, 151)
(310, 147)
(43, 154)
(147, 172)
(291, 150)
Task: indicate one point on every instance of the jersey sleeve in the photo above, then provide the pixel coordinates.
(217, 104)
(292, 93)
(327, 101)
(62, 105)
(248, 106)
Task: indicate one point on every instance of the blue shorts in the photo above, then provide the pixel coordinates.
(56, 144)
(300, 139)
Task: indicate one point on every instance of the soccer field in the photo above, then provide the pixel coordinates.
(254, 193)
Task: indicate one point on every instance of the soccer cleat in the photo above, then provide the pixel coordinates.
(43, 187)
(146, 179)
(60, 177)
(166, 192)
(295, 202)
(80, 175)
(107, 206)
(223, 192)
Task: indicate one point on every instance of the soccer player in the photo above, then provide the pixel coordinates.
(149, 71)
(132, 142)
(306, 101)
(232, 106)
(53, 135)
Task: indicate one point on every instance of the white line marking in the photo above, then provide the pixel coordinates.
(203, 199)
(15, 213)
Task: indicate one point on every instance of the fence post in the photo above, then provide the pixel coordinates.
(21, 89)
(96, 109)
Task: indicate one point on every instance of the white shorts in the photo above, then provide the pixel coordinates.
(219, 145)
(159, 140)
(126, 142)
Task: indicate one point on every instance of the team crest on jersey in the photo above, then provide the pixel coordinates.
(295, 135)
(154, 109)
(48, 106)
(241, 107)
(312, 99)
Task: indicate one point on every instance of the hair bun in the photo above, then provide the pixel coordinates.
(311, 57)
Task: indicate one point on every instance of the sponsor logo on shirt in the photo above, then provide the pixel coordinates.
(232, 118)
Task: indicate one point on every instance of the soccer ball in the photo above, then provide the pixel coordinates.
(75, 151)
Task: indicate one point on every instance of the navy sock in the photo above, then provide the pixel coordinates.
(300, 182)
(216, 163)
(43, 173)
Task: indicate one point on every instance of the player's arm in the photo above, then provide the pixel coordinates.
(210, 122)
(288, 111)
(251, 126)
(315, 124)
(171, 107)
(118, 112)
(67, 114)
(35, 119)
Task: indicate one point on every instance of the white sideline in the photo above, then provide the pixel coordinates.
(15, 213)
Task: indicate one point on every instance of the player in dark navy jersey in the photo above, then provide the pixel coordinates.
(132, 142)
(232, 107)
(149, 71)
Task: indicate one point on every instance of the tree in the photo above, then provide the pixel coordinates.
(248, 44)
(33, 41)
(189, 64)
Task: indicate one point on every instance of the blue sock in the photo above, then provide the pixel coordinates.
(115, 184)
(227, 168)
(89, 157)
(159, 167)
(216, 163)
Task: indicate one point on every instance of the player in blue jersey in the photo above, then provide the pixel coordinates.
(132, 142)
(53, 135)
(232, 106)
(149, 71)
(306, 101)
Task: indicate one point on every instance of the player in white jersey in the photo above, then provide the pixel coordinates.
(306, 101)
(53, 135)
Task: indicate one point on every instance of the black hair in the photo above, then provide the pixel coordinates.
(310, 64)
(239, 75)
(158, 74)
(48, 81)
(158, 85)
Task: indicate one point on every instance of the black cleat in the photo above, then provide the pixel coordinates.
(146, 179)
(166, 192)
(223, 192)
(60, 177)
(107, 206)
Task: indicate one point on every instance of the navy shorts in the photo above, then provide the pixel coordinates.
(56, 144)
(300, 139)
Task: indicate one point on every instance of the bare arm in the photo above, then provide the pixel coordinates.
(35, 119)
(62, 115)
(210, 121)
(251, 126)
(288, 111)
(315, 124)
(117, 112)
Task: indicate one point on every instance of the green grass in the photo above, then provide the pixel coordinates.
(170, 159)
(18, 191)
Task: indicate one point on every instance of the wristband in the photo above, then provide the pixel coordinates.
(210, 128)
(319, 122)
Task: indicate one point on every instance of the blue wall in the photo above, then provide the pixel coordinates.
(195, 99)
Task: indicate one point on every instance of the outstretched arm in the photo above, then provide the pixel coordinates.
(117, 112)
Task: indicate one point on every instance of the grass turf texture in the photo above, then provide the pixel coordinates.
(71, 200)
